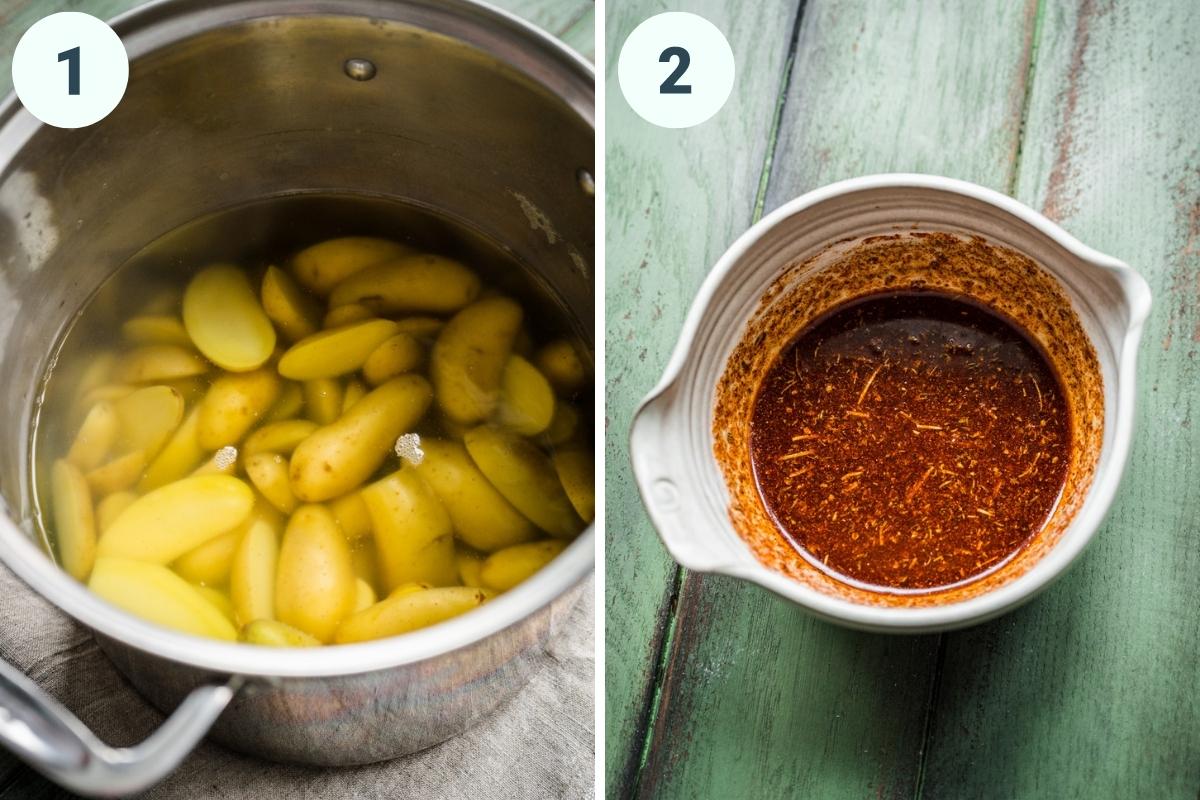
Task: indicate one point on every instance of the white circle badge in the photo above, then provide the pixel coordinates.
(676, 70)
(70, 69)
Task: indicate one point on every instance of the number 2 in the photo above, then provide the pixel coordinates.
(671, 85)
(72, 58)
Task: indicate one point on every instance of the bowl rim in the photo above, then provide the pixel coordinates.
(145, 30)
(1087, 521)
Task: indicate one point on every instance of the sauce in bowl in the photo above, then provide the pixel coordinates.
(910, 441)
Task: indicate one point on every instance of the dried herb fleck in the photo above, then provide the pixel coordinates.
(911, 440)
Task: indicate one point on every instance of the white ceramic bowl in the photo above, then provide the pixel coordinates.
(671, 440)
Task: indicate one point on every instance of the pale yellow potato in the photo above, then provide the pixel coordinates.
(340, 456)
(526, 400)
(289, 404)
(111, 507)
(366, 561)
(171, 520)
(157, 594)
(273, 633)
(335, 352)
(470, 565)
(219, 600)
(155, 329)
(278, 437)
(324, 265)
(506, 568)
(355, 390)
(221, 462)
(315, 585)
(410, 612)
(394, 356)
(107, 393)
(234, 404)
(323, 399)
(422, 328)
(97, 372)
(409, 588)
(96, 437)
(117, 475)
(74, 521)
(263, 511)
(352, 516)
(147, 418)
(209, 564)
(158, 363)
(562, 426)
(269, 474)
(364, 595)
(421, 283)
(223, 317)
(181, 454)
(294, 313)
(164, 301)
(481, 516)
(413, 534)
(559, 361)
(576, 471)
(469, 357)
(523, 344)
(524, 475)
(252, 573)
(344, 315)
(190, 389)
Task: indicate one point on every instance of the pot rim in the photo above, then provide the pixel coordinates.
(145, 30)
(1083, 528)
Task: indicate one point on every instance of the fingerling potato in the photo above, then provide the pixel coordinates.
(338, 457)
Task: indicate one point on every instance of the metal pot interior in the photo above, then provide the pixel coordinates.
(472, 119)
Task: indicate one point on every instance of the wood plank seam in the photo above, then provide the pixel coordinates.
(775, 124)
(667, 649)
(935, 687)
(1057, 204)
(1031, 46)
(760, 199)
(571, 23)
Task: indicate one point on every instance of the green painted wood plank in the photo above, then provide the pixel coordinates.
(31, 786)
(17, 15)
(581, 34)
(572, 21)
(676, 201)
(1094, 689)
(555, 16)
(760, 699)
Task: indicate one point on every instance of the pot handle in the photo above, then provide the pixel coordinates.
(52, 740)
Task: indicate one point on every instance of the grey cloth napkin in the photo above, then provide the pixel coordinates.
(539, 745)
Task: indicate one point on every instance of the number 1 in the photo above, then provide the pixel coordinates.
(72, 58)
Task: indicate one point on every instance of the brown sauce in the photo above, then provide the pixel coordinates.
(910, 440)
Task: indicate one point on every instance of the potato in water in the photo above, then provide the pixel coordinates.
(356, 441)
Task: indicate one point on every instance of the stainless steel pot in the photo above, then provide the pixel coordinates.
(467, 111)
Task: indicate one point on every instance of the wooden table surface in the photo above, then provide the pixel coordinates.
(1088, 111)
(572, 21)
